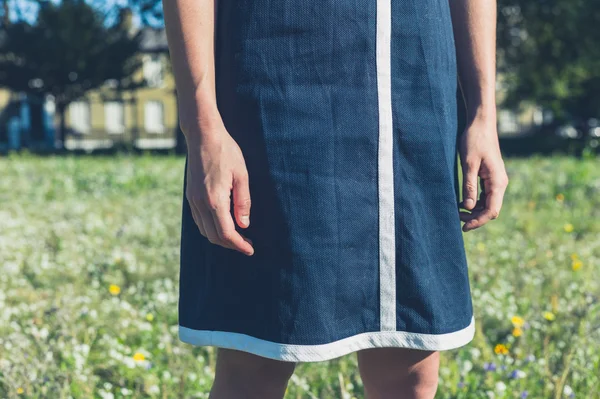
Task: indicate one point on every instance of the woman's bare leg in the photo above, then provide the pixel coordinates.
(242, 375)
(398, 373)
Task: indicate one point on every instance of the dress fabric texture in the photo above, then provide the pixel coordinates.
(346, 115)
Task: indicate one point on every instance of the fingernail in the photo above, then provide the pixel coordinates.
(469, 202)
(246, 220)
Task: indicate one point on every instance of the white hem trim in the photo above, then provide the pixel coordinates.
(316, 353)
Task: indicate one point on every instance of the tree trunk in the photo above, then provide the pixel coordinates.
(36, 109)
(6, 16)
(62, 126)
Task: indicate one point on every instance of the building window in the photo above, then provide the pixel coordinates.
(154, 117)
(153, 70)
(508, 122)
(114, 117)
(79, 116)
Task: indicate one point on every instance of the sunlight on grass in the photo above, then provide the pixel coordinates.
(89, 282)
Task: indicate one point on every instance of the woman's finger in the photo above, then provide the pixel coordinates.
(198, 220)
(226, 231)
(470, 174)
(493, 203)
(201, 222)
(209, 224)
(466, 216)
(195, 213)
(241, 199)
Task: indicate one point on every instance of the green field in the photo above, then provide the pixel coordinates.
(89, 285)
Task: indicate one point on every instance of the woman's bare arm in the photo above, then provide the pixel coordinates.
(216, 165)
(190, 34)
(474, 25)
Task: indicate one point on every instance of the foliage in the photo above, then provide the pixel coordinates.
(67, 51)
(549, 52)
(89, 287)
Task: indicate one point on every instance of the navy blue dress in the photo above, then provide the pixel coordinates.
(346, 114)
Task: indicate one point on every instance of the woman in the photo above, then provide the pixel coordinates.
(338, 122)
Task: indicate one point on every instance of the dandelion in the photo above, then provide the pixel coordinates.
(149, 317)
(517, 321)
(560, 197)
(501, 349)
(20, 391)
(577, 265)
(568, 227)
(114, 289)
(549, 316)
(517, 331)
(139, 357)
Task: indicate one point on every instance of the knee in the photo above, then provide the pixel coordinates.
(399, 374)
(253, 369)
(412, 385)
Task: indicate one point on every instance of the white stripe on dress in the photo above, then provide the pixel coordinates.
(387, 245)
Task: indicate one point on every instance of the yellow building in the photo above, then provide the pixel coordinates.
(144, 118)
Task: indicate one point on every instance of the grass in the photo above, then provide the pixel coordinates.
(89, 273)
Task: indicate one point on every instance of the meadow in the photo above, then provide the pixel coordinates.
(89, 286)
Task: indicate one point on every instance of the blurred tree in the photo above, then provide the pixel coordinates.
(549, 53)
(67, 51)
(150, 11)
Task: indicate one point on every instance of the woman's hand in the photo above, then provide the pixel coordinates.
(480, 157)
(215, 167)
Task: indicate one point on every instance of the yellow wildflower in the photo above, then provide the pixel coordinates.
(149, 317)
(560, 197)
(517, 321)
(114, 289)
(481, 246)
(568, 227)
(549, 316)
(577, 265)
(574, 256)
(20, 391)
(517, 332)
(139, 357)
(501, 349)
